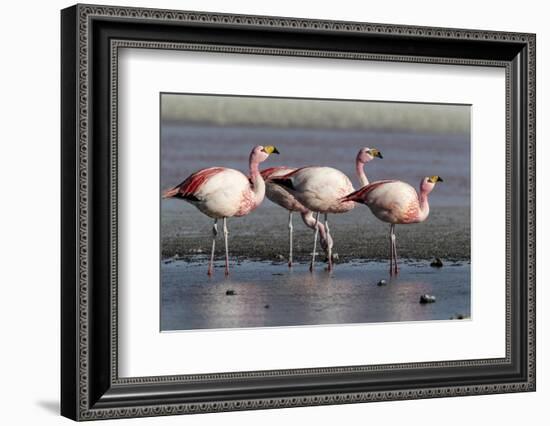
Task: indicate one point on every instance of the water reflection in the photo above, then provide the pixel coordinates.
(263, 294)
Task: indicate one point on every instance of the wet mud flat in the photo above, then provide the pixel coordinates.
(263, 235)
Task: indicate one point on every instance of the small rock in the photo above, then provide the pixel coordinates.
(335, 257)
(167, 261)
(381, 283)
(460, 317)
(230, 293)
(277, 273)
(280, 257)
(437, 263)
(427, 298)
(266, 306)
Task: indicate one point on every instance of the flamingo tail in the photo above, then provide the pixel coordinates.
(172, 192)
(354, 196)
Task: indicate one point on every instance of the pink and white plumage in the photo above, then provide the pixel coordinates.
(396, 202)
(321, 189)
(285, 199)
(220, 192)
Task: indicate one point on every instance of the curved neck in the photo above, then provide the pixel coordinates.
(258, 184)
(360, 170)
(309, 220)
(424, 205)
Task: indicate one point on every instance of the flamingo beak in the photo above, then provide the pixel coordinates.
(270, 149)
(434, 179)
(376, 153)
(439, 179)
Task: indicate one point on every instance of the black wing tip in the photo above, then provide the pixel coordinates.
(284, 182)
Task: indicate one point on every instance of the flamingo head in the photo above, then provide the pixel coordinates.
(428, 183)
(368, 154)
(261, 153)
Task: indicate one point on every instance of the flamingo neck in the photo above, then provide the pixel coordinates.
(360, 170)
(258, 184)
(424, 205)
(309, 220)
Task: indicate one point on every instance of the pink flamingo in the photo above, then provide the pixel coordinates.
(283, 198)
(396, 202)
(321, 189)
(219, 193)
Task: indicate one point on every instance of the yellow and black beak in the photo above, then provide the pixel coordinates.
(434, 179)
(270, 149)
(375, 153)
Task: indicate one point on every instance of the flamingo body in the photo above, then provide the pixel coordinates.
(220, 192)
(392, 201)
(319, 189)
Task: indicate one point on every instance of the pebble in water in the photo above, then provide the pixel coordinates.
(381, 283)
(437, 263)
(230, 293)
(427, 298)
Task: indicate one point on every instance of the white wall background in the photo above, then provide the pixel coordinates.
(29, 212)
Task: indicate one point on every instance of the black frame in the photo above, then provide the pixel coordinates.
(90, 386)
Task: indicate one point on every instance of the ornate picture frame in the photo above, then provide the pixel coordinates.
(90, 384)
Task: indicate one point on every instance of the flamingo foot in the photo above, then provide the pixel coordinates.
(209, 271)
(290, 263)
(311, 267)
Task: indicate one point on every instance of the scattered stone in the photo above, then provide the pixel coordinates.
(280, 257)
(437, 263)
(266, 306)
(460, 317)
(381, 283)
(335, 257)
(230, 293)
(167, 261)
(427, 298)
(197, 251)
(277, 273)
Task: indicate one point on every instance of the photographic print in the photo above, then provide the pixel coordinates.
(298, 212)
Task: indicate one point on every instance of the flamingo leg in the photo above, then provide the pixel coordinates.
(290, 230)
(225, 233)
(329, 247)
(314, 243)
(214, 234)
(391, 249)
(394, 250)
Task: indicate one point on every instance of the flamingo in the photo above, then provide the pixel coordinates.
(396, 202)
(220, 192)
(321, 189)
(286, 200)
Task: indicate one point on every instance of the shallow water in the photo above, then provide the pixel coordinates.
(268, 294)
